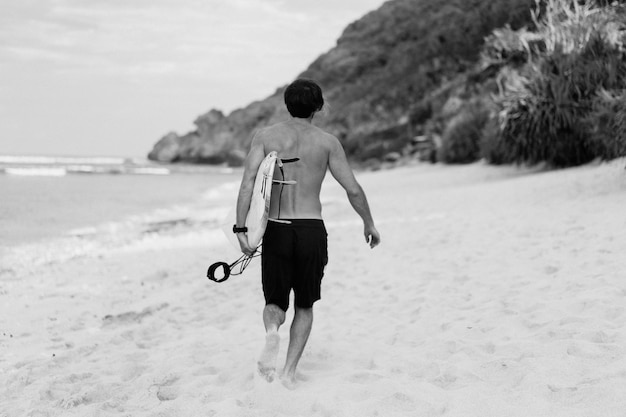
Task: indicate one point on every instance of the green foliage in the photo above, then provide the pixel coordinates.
(550, 107)
(492, 148)
(568, 25)
(546, 122)
(606, 124)
(460, 142)
(515, 47)
(390, 59)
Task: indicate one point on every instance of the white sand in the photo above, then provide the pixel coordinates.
(495, 292)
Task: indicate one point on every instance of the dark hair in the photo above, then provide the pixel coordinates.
(303, 98)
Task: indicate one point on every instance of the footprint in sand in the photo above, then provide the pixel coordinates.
(267, 360)
(364, 377)
(167, 390)
(132, 316)
(504, 372)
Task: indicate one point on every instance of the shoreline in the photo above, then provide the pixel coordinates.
(38, 209)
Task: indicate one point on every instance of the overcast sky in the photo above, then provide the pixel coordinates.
(110, 77)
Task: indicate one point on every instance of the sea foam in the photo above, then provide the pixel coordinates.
(54, 166)
(182, 225)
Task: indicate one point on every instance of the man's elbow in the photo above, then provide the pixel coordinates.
(354, 192)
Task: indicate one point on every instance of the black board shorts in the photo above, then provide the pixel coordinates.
(293, 258)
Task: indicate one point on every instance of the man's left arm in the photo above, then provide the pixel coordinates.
(251, 166)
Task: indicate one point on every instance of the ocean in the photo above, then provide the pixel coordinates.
(56, 208)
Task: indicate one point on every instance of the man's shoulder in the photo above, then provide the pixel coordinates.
(262, 132)
(331, 141)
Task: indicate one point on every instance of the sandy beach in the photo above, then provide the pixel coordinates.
(496, 291)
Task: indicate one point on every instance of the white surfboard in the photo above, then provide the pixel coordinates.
(256, 222)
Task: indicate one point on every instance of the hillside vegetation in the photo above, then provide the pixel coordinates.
(509, 81)
(557, 93)
(382, 64)
(390, 59)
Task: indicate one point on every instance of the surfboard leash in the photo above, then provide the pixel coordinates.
(236, 268)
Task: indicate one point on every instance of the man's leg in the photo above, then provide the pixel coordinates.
(273, 318)
(298, 336)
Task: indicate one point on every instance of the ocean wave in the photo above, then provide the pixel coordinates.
(226, 193)
(31, 172)
(56, 167)
(83, 169)
(197, 223)
(52, 160)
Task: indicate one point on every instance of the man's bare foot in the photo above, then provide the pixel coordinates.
(292, 381)
(288, 382)
(267, 360)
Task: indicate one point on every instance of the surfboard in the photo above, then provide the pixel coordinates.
(258, 214)
(256, 222)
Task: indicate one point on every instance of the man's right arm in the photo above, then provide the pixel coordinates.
(341, 171)
(251, 166)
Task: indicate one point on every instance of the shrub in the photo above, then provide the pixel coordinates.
(606, 124)
(462, 135)
(541, 125)
(511, 46)
(549, 107)
(559, 25)
(545, 121)
(568, 25)
(492, 148)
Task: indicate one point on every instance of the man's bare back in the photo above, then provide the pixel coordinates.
(298, 139)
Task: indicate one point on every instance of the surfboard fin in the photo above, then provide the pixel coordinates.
(281, 161)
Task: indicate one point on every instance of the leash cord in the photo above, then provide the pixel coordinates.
(243, 262)
(236, 268)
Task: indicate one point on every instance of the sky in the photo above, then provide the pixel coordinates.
(111, 77)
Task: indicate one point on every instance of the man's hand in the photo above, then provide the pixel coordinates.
(244, 245)
(372, 237)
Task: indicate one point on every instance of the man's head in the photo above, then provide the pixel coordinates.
(303, 98)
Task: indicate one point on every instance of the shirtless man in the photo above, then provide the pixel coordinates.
(295, 253)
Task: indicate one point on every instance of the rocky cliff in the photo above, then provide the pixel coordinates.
(383, 64)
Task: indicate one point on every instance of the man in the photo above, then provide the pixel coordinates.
(295, 249)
